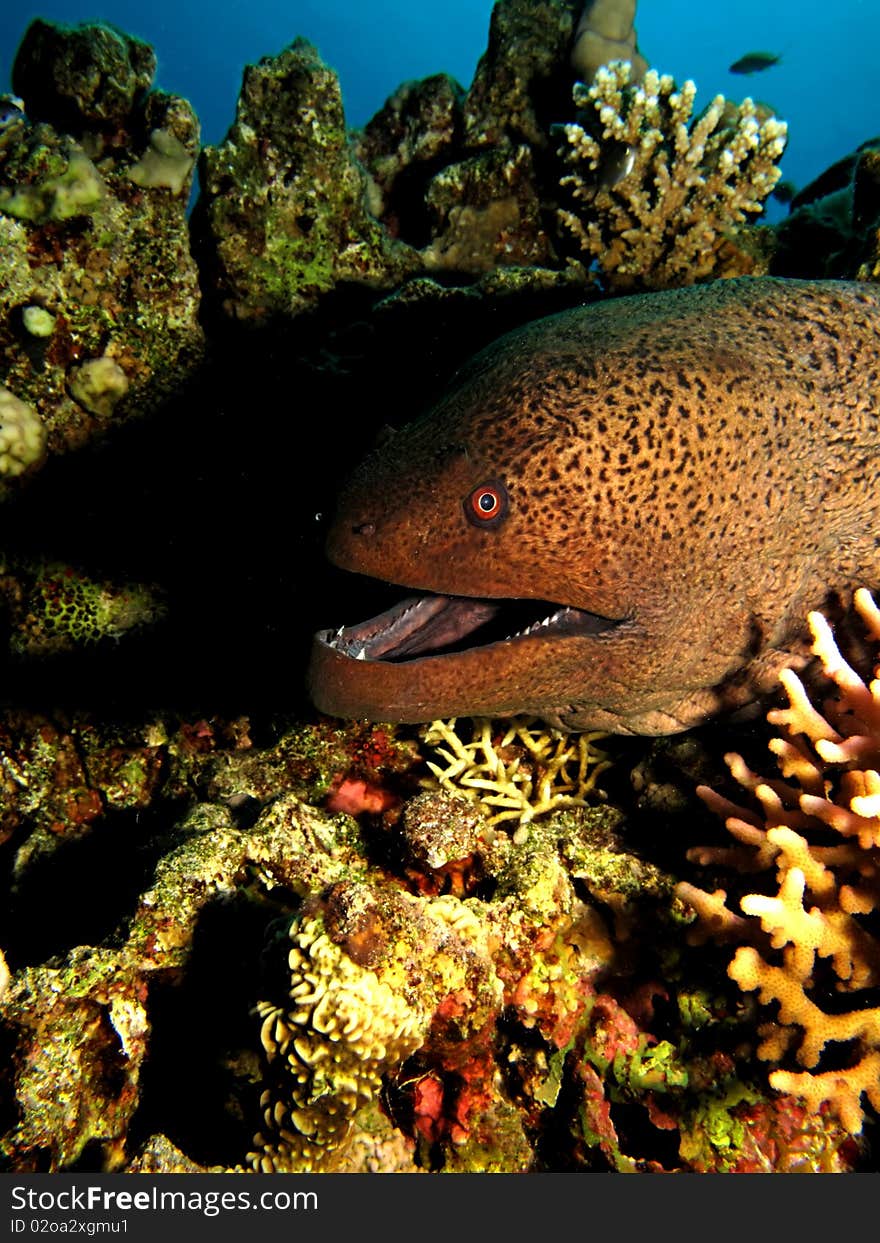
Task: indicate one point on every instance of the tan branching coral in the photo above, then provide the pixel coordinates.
(658, 192)
(820, 828)
(524, 770)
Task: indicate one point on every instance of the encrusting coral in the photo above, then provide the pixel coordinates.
(367, 972)
(345, 1025)
(527, 771)
(605, 33)
(658, 192)
(820, 828)
(22, 439)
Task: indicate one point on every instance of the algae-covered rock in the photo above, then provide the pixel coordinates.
(104, 261)
(44, 194)
(485, 213)
(85, 77)
(79, 1032)
(417, 131)
(833, 226)
(523, 79)
(284, 216)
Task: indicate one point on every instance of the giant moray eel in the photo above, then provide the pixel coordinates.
(621, 514)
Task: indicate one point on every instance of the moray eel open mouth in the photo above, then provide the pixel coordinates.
(435, 655)
(438, 625)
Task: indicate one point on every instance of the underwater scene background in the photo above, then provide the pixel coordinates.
(477, 923)
(822, 84)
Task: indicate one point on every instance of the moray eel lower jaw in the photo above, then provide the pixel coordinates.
(434, 655)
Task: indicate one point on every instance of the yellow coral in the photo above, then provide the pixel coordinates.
(367, 974)
(659, 192)
(820, 828)
(343, 1028)
(528, 771)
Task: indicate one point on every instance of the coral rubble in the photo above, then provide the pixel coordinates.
(819, 827)
(660, 194)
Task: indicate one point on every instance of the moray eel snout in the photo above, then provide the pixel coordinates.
(620, 516)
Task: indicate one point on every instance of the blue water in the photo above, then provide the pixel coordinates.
(825, 86)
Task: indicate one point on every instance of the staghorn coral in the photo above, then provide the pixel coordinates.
(528, 771)
(660, 195)
(820, 828)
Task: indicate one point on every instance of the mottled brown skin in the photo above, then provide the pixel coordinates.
(702, 466)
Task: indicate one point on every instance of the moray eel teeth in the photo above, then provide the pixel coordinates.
(439, 625)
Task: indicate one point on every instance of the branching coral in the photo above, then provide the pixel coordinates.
(527, 772)
(820, 827)
(658, 191)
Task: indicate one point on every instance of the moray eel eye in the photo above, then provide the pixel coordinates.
(487, 505)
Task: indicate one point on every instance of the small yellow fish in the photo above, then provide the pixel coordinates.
(755, 62)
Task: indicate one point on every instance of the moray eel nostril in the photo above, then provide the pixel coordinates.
(620, 515)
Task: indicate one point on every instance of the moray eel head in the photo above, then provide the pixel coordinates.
(469, 635)
(470, 511)
(604, 524)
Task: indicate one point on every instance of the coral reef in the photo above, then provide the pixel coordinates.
(100, 299)
(833, 228)
(237, 935)
(819, 828)
(397, 1004)
(660, 194)
(284, 214)
(605, 33)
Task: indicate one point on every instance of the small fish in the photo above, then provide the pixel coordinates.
(755, 62)
(10, 111)
(784, 192)
(616, 166)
